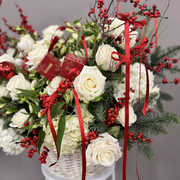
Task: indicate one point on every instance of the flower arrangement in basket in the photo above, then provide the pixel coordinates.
(72, 98)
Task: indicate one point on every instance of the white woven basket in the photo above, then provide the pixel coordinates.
(70, 166)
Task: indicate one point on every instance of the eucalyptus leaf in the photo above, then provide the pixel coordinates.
(61, 130)
(40, 140)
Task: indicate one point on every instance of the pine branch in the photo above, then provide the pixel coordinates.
(146, 149)
(159, 54)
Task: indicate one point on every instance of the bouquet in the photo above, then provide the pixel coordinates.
(80, 88)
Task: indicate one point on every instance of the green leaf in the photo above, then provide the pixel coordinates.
(87, 33)
(114, 131)
(15, 53)
(78, 39)
(30, 129)
(61, 130)
(55, 110)
(115, 76)
(40, 140)
(40, 83)
(11, 108)
(28, 93)
(91, 108)
(11, 40)
(25, 127)
(76, 21)
(32, 36)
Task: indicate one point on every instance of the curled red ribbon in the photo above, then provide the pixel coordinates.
(123, 17)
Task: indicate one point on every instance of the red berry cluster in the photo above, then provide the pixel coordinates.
(44, 155)
(165, 64)
(3, 41)
(27, 123)
(138, 137)
(152, 13)
(176, 81)
(26, 142)
(63, 86)
(90, 136)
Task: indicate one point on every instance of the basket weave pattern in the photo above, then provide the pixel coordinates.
(70, 166)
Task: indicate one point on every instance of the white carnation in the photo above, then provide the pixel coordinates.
(8, 139)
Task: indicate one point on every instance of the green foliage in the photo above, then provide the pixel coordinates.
(114, 131)
(146, 149)
(40, 140)
(61, 130)
(114, 76)
(158, 55)
(163, 96)
(97, 126)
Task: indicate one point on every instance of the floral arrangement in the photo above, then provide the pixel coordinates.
(79, 72)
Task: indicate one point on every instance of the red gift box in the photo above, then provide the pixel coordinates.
(49, 67)
(71, 61)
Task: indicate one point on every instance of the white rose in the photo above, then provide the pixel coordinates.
(104, 150)
(3, 91)
(36, 56)
(90, 83)
(26, 43)
(116, 28)
(104, 59)
(17, 81)
(51, 31)
(53, 85)
(6, 58)
(133, 37)
(19, 119)
(19, 62)
(121, 116)
(10, 51)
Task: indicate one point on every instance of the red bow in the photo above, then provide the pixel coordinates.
(123, 17)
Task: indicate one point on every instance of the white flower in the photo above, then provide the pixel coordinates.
(19, 62)
(121, 116)
(53, 85)
(72, 136)
(51, 31)
(81, 53)
(8, 139)
(3, 91)
(90, 83)
(116, 28)
(10, 51)
(134, 83)
(133, 36)
(17, 81)
(19, 119)
(104, 150)
(36, 56)
(26, 43)
(6, 58)
(104, 57)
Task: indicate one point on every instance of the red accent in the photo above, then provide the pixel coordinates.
(49, 102)
(82, 134)
(123, 17)
(0, 2)
(71, 61)
(126, 130)
(156, 34)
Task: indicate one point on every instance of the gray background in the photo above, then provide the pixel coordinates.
(42, 13)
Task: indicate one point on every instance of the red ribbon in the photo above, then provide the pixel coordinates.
(126, 131)
(156, 34)
(0, 2)
(48, 102)
(54, 95)
(123, 17)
